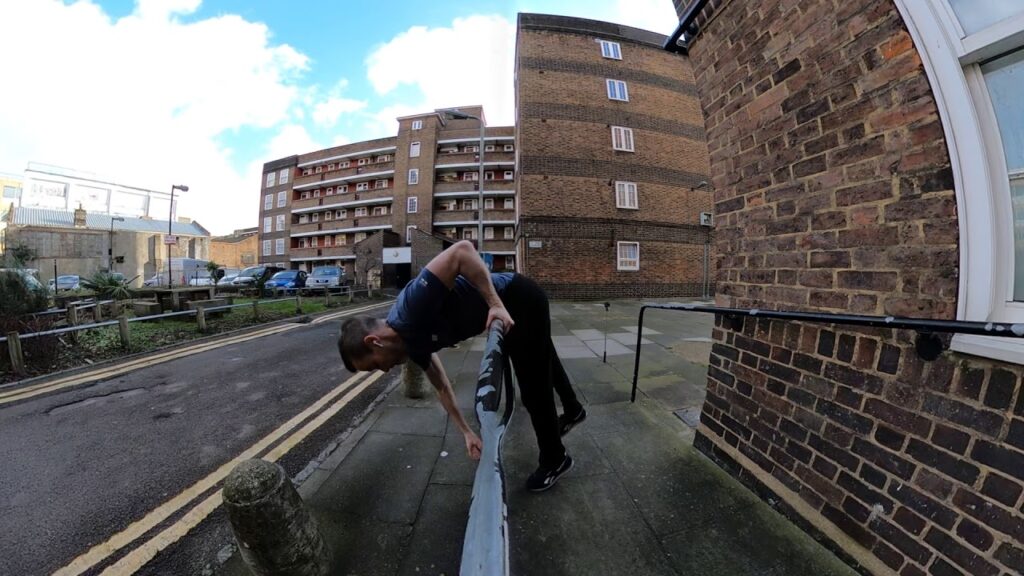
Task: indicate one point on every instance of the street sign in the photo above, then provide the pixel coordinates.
(398, 255)
(168, 239)
(536, 243)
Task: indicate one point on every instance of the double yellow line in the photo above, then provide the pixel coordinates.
(146, 551)
(159, 358)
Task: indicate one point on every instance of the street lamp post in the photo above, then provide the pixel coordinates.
(110, 251)
(170, 220)
(460, 115)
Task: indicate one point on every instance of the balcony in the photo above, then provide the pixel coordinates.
(353, 173)
(333, 226)
(443, 158)
(506, 186)
(334, 201)
(322, 252)
(447, 216)
(499, 244)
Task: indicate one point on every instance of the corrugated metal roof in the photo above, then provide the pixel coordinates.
(62, 219)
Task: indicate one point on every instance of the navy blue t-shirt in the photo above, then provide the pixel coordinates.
(428, 316)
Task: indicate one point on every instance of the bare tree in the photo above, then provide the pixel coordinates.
(367, 260)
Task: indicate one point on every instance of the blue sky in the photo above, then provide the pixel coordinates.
(204, 91)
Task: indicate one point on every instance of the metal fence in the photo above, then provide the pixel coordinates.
(928, 344)
(485, 547)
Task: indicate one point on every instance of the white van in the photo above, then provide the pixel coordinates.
(185, 270)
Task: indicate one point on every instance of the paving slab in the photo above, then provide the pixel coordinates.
(427, 420)
(588, 334)
(613, 348)
(567, 352)
(628, 338)
(436, 543)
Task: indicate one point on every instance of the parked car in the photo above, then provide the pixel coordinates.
(329, 277)
(287, 281)
(201, 279)
(27, 276)
(226, 281)
(66, 282)
(252, 275)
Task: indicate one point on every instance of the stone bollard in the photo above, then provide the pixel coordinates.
(414, 380)
(72, 317)
(124, 332)
(275, 533)
(298, 303)
(14, 350)
(201, 319)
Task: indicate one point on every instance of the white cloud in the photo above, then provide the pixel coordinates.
(470, 62)
(145, 98)
(654, 15)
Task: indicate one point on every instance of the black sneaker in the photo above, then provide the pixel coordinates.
(545, 478)
(566, 422)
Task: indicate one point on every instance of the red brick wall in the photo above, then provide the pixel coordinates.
(567, 167)
(833, 192)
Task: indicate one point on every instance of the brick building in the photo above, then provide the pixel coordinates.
(865, 158)
(613, 163)
(236, 250)
(315, 207)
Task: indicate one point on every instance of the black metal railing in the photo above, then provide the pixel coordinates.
(485, 548)
(927, 344)
(684, 27)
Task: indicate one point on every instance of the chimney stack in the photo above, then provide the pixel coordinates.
(79, 217)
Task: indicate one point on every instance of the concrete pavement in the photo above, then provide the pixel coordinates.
(394, 497)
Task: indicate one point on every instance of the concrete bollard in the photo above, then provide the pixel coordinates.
(122, 328)
(414, 380)
(14, 350)
(201, 319)
(73, 321)
(276, 534)
(327, 297)
(298, 303)
(97, 313)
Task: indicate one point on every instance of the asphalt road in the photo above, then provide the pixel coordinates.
(79, 466)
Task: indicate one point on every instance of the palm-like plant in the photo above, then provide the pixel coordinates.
(108, 286)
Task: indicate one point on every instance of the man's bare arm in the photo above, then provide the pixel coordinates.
(439, 379)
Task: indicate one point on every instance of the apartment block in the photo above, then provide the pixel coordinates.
(613, 187)
(317, 208)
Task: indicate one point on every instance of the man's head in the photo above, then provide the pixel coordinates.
(368, 343)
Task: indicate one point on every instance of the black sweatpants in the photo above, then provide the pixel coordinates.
(538, 369)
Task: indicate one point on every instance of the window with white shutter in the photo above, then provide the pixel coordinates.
(629, 255)
(625, 195)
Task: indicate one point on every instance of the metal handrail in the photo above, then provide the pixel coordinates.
(485, 549)
(164, 316)
(928, 345)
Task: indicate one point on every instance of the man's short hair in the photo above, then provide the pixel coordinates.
(351, 342)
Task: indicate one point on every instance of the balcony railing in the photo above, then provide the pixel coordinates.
(353, 170)
(443, 158)
(508, 186)
(338, 200)
(322, 251)
(332, 226)
(490, 215)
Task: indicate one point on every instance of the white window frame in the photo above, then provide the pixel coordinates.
(489, 175)
(306, 171)
(340, 239)
(329, 215)
(622, 139)
(379, 211)
(270, 179)
(624, 264)
(617, 90)
(327, 241)
(282, 198)
(510, 233)
(361, 212)
(304, 195)
(952, 63)
(611, 50)
(414, 176)
(279, 224)
(268, 202)
(344, 164)
(319, 169)
(468, 204)
(268, 224)
(330, 191)
(408, 233)
(626, 195)
(489, 148)
(362, 186)
(330, 166)
(510, 148)
(361, 162)
(417, 124)
(510, 174)
(343, 189)
(414, 150)
(488, 203)
(412, 205)
(266, 247)
(283, 176)
(467, 233)
(314, 242)
(279, 246)
(489, 233)
(316, 193)
(314, 217)
(359, 237)
(303, 218)
(470, 176)
(380, 184)
(510, 203)
(340, 214)
(303, 243)
(510, 262)
(473, 149)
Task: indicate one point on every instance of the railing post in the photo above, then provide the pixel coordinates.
(97, 312)
(298, 303)
(73, 321)
(327, 297)
(276, 534)
(201, 318)
(14, 349)
(123, 331)
(351, 295)
(255, 308)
